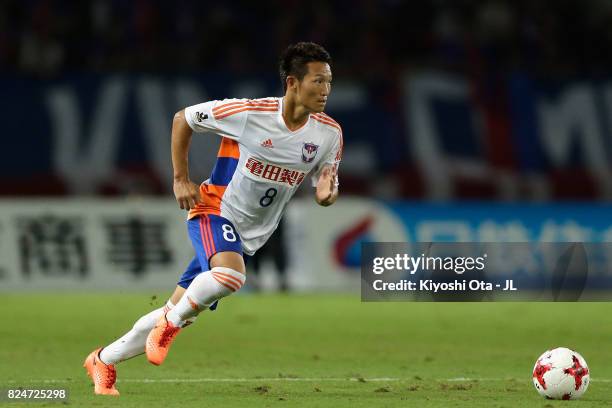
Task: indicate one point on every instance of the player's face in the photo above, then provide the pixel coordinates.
(314, 88)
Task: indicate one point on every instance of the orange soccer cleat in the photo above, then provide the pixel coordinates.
(103, 375)
(159, 340)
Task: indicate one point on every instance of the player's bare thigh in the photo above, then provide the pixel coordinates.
(227, 259)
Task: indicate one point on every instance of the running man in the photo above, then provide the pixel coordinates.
(268, 148)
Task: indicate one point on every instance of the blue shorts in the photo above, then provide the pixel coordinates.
(209, 235)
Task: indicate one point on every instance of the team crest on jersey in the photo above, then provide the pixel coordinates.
(309, 152)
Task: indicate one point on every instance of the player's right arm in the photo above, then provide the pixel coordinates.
(186, 192)
(226, 118)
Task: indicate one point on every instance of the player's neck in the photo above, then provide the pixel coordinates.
(295, 115)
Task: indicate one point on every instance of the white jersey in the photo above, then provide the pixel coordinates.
(260, 163)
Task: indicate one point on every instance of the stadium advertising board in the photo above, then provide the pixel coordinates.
(331, 250)
(69, 244)
(136, 244)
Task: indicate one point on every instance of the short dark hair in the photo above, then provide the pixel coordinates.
(295, 58)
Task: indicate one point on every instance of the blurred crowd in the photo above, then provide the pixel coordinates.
(45, 38)
(373, 43)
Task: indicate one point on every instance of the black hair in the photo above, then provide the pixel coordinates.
(296, 57)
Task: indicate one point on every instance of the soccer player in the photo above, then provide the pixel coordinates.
(268, 148)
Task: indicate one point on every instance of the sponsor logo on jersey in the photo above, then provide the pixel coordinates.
(201, 116)
(271, 172)
(309, 152)
(267, 143)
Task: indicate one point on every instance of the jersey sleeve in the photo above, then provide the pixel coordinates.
(226, 118)
(333, 158)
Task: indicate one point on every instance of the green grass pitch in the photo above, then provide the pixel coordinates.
(308, 351)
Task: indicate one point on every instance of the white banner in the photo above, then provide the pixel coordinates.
(325, 241)
(138, 244)
(70, 244)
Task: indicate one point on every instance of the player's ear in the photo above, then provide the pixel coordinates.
(292, 82)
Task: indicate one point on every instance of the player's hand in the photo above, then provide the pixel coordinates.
(327, 189)
(187, 194)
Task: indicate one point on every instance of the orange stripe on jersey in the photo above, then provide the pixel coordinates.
(218, 110)
(264, 100)
(211, 200)
(242, 102)
(245, 102)
(239, 109)
(225, 105)
(323, 118)
(229, 148)
(326, 121)
(211, 194)
(340, 150)
(326, 116)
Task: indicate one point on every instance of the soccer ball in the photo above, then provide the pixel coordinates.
(561, 373)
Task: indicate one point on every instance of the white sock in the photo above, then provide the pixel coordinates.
(132, 343)
(203, 291)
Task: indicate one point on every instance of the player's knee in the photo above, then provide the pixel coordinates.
(228, 277)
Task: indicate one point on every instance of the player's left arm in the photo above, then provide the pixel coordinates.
(327, 182)
(327, 186)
